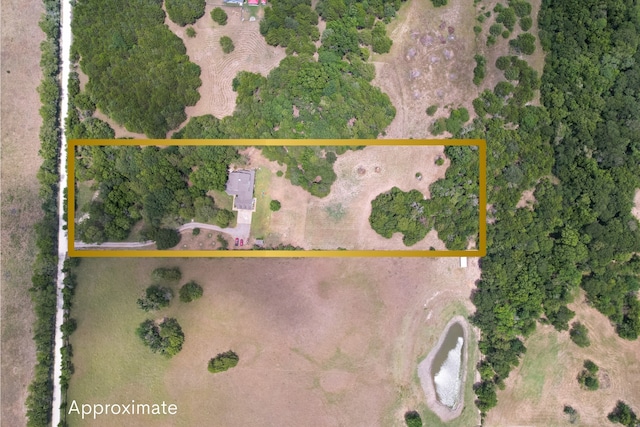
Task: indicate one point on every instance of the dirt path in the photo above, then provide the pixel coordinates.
(65, 50)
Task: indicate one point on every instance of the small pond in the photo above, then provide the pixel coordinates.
(446, 367)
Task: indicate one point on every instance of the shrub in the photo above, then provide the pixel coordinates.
(573, 414)
(438, 127)
(275, 205)
(588, 377)
(223, 362)
(439, 161)
(438, 3)
(412, 418)
(184, 12)
(432, 110)
(526, 23)
(524, 43)
(171, 274)
(191, 33)
(227, 44)
(155, 298)
(521, 8)
(223, 242)
(196, 231)
(495, 29)
(279, 173)
(491, 40)
(506, 34)
(220, 16)
(479, 71)
(190, 292)
(579, 334)
(477, 29)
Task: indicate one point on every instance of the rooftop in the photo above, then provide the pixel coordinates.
(240, 185)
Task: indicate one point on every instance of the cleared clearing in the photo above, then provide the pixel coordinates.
(251, 53)
(341, 220)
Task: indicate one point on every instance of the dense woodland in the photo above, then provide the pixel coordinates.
(580, 232)
(139, 73)
(151, 184)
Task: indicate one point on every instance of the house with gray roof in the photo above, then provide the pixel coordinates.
(240, 186)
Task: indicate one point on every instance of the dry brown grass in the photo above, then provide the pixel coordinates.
(321, 341)
(442, 81)
(545, 381)
(20, 210)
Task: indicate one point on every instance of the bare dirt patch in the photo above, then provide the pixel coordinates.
(428, 64)
(322, 342)
(635, 211)
(20, 205)
(341, 220)
(527, 199)
(545, 381)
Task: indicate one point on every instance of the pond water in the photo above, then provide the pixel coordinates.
(446, 367)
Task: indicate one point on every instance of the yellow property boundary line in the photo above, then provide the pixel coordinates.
(482, 200)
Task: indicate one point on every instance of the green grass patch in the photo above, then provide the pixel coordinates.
(262, 216)
(105, 309)
(541, 356)
(83, 196)
(221, 199)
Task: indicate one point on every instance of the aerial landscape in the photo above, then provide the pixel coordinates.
(541, 330)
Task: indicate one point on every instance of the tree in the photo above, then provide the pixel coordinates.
(155, 298)
(166, 338)
(438, 3)
(223, 362)
(167, 238)
(190, 292)
(218, 15)
(184, 12)
(579, 334)
(274, 205)
(191, 33)
(227, 44)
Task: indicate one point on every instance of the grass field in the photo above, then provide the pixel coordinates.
(545, 381)
(19, 200)
(321, 342)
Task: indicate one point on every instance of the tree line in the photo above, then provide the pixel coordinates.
(43, 280)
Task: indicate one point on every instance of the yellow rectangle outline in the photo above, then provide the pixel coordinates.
(482, 200)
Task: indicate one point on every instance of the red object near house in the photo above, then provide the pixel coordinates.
(253, 2)
(263, 2)
(241, 242)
